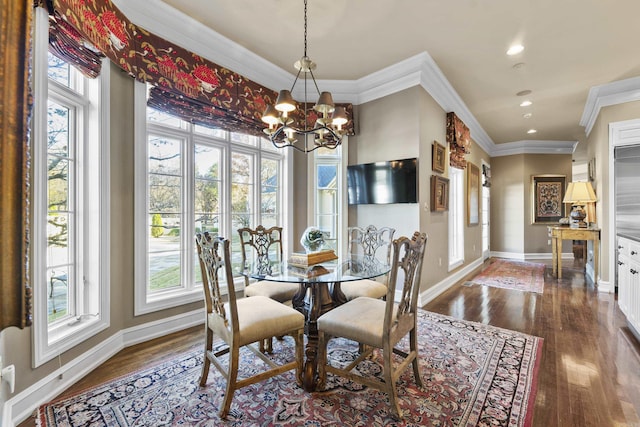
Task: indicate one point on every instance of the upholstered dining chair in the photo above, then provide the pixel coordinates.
(380, 324)
(241, 322)
(265, 244)
(372, 243)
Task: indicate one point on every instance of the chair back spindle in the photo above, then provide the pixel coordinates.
(408, 255)
(214, 252)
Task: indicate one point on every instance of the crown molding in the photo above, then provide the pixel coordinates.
(530, 146)
(607, 94)
(160, 19)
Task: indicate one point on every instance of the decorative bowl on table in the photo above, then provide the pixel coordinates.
(312, 239)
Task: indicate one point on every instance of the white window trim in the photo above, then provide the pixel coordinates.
(486, 222)
(456, 219)
(143, 303)
(342, 203)
(88, 324)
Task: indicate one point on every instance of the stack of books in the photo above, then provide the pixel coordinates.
(308, 272)
(306, 259)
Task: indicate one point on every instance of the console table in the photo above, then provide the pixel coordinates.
(560, 233)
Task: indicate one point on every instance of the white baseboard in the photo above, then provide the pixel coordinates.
(23, 405)
(431, 293)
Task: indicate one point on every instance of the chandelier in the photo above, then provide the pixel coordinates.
(326, 119)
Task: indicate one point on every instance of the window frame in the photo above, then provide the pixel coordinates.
(456, 218)
(339, 157)
(190, 291)
(92, 190)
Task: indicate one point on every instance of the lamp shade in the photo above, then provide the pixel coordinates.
(579, 192)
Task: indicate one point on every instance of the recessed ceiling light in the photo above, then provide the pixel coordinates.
(523, 92)
(515, 49)
(532, 131)
(525, 103)
(527, 115)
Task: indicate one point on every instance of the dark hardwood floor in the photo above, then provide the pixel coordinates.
(590, 368)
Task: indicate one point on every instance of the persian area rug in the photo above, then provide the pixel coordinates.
(509, 274)
(473, 375)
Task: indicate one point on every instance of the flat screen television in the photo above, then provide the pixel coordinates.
(395, 181)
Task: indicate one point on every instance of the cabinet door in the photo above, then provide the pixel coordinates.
(633, 302)
(624, 279)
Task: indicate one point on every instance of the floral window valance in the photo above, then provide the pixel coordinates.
(226, 96)
(459, 140)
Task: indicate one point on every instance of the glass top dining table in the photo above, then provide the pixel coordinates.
(319, 291)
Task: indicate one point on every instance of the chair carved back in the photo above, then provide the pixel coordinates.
(408, 255)
(214, 255)
(367, 241)
(263, 243)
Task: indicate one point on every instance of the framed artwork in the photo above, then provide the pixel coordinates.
(438, 157)
(592, 169)
(439, 193)
(473, 194)
(547, 192)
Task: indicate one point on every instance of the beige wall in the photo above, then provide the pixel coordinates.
(598, 148)
(412, 121)
(18, 348)
(536, 235)
(512, 230)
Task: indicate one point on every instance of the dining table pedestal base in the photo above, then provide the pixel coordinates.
(313, 300)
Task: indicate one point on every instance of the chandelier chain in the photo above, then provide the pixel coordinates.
(305, 28)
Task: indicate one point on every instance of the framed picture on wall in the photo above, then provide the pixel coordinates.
(547, 192)
(439, 193)
(473, 194)
(438, 157)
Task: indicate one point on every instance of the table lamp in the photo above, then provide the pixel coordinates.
(579, 193)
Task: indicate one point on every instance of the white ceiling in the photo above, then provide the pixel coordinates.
(570, 46)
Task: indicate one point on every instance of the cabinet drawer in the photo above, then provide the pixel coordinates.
(634, 250)
(623, 246)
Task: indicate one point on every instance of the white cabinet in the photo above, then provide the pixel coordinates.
(629, 280)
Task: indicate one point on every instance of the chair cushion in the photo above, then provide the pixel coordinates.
(261, 317)
(363, 288)
(361, 320)
(279, 291)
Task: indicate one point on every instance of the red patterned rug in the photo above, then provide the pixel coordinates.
(473, 374)
(509, 274)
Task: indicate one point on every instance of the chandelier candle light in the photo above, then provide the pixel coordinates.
(327, 130)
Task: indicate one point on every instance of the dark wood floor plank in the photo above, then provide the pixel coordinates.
(590, 363)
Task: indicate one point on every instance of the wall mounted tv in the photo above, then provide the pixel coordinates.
(395, 181)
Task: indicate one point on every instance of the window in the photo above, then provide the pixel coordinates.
(71, 202)
(456, 218)
(328, 194)
(485, 211)
(189, 179)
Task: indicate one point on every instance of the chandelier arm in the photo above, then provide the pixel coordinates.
(295, 81)
(332, 145)
(314, 82)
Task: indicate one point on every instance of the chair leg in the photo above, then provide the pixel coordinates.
(413, 345)
(266, 345)
(231, 382)
(206, 363)
(389, 384)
